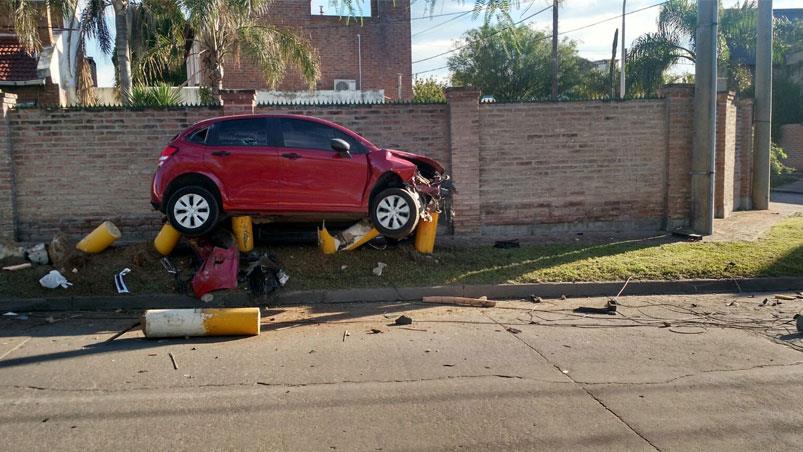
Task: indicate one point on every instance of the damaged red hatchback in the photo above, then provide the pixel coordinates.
(291, 167)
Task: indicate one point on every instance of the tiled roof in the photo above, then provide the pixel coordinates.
(15, 63)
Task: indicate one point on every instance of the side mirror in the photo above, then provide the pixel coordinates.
(341, 147)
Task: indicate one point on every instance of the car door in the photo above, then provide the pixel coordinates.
(314, 176)
(240, 155)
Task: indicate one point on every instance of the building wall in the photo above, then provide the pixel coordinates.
(386, 48)
(724, 199)
(520, 169)
(792, 143)
(577, 165)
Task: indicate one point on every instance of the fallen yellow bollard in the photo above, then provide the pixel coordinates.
(99, 239)
(426, 233)
(326, 242)
(243, 229)
(200, 322)
(167, 239)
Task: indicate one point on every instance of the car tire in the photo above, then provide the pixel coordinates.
(193, 211)
(395, 212)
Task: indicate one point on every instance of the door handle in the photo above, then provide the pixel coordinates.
(221, 153)
(292, 156)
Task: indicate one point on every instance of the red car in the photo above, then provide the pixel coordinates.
(291, 167)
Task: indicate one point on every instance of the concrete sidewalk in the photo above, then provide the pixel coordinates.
(698, 372)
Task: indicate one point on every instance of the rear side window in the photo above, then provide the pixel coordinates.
(300, 134)
(239, 132)
(199, 136)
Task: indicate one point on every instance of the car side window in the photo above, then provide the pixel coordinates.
(300, 134)
(199, 136)
(239, 132)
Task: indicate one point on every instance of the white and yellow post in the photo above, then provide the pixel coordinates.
(201, 322)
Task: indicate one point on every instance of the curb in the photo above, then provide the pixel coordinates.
(391, 294)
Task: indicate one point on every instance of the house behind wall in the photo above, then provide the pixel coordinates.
(384, 44)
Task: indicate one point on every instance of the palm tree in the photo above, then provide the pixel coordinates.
(94, 24)
(654, 53)
(225, 29)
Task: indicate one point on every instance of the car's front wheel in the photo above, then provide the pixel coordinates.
(395, 212)
(193, 210)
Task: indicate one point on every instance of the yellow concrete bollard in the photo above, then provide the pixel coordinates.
(425, 235)
(167, 239)
(372, 234)
(326, 242)
(201, 322)
(99, 239)
(243, 229)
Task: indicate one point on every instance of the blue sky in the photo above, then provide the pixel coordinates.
(431, 38)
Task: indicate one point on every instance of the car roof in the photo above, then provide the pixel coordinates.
(211, 121)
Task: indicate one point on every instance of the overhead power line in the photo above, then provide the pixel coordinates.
(489, 36)
(573, 30)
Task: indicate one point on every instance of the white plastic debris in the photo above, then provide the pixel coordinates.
(119, 282)
(380, 266)
(10, 314)
(37, 254)
(54, 279)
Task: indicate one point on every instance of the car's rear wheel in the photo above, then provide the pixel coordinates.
(395, 212)
(193, 210)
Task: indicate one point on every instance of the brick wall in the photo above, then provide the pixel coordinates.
(792, 143)
(386, 48)
(7, 214)
(77, 168)
(743, 172)
(578, 166)
(520, 169)
(724, 200)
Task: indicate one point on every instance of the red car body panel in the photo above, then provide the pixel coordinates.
(265, 180)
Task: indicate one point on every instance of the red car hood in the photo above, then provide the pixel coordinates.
(415, 158)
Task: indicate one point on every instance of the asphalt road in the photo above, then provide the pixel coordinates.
(682, 373)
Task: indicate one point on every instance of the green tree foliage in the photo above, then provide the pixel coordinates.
(513, 63)
(653, 54)
(429, 90)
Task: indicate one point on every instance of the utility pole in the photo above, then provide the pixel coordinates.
(613, 63)
(763, 99)
(705, 118)
(554, 49)
(624, 54)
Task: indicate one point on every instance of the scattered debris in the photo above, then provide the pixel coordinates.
(10, 314)
(13, 268)
(413, 329)
(218, 271)
(563, 297)
(50, 319)
(507, 244)
(119, 282)
(60, 250)
(11, 249)
(37, 254)
(120, 333)
(609, 309)
(404, 320)
(375, 331)
(461, 301)
(346, 333)
(173, 360)
(535, 299)
(785, 297)
(265, 275)
(798, 322)
(510, 329)
(169, 266)
(208, 298)
(690, 236)
(731, 303)
(380, 266)
(54, 279)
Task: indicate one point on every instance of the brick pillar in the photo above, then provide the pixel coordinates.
(679, 100)
(744, 154)
(724, 177)
(238, 101)
(7, 177)
(464, 150)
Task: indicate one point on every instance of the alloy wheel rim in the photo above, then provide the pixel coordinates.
(393, 212)
(191, 211)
